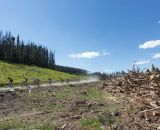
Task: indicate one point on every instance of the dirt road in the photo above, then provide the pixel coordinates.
(46, 85)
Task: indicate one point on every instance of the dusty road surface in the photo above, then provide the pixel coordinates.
(2, 89)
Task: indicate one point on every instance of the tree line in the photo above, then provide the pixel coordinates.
(15, 50)
(70, 70)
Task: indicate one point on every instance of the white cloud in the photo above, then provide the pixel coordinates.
(155, 56)
(150, 44)
(104, 53)
(89, 54)
(141, 62)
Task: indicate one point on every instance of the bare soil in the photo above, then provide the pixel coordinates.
(71, 107)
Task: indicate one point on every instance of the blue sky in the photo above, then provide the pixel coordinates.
(97, 35)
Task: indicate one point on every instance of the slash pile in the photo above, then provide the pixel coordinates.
(142, 93)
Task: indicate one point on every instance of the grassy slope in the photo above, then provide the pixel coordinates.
(17, 71)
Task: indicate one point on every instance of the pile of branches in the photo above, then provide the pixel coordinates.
(135, 80)
(142, 89)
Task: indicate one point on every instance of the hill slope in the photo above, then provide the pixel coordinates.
(16, 72)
